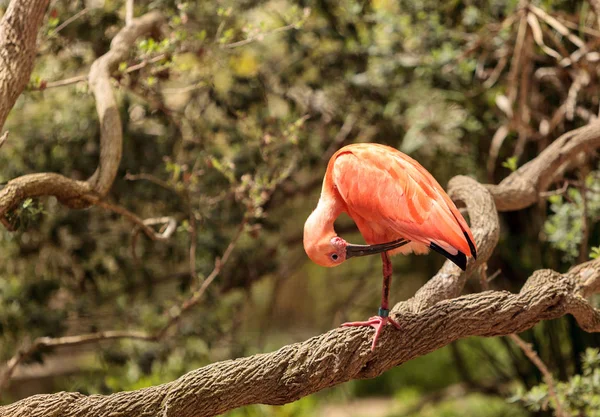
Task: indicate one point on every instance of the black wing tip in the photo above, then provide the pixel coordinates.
(460, 259)
(471, 245)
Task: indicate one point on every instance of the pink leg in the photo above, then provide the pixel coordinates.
(378, 322)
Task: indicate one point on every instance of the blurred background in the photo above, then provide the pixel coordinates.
(229, 118)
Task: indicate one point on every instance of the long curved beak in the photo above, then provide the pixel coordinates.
(363, 250)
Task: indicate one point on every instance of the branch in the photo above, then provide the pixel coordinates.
(85, 78)
(18, 34)
(129, 12)
(523, 187)
(78, 194)
(533, 357)
(337, 356)
(67, 22)
(141, 224)
(596, 6)
(41, 342)
(111, 135)
(3, 138)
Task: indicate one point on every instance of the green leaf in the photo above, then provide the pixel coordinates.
(510, 163)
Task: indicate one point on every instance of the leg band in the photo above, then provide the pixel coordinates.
(383, 312)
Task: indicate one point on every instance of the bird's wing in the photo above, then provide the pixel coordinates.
(388, 189)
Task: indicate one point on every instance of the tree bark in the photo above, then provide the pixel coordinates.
(337, 356)
(18, 35)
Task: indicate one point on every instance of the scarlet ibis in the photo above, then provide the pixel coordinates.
(398, 207)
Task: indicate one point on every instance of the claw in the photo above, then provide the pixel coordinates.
(376, 322)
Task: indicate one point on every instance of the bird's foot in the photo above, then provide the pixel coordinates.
(376, 322)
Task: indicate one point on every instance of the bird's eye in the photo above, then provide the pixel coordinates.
(334, 257)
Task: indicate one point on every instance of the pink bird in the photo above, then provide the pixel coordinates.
(398, 207)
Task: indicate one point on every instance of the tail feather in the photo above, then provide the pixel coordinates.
(471, 245)
(460, 259)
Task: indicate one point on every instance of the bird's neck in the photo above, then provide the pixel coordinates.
(319, 224)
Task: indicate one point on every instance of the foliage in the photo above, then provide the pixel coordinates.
(564, 227)
(578, 396)
(229, 117)
(511, 163)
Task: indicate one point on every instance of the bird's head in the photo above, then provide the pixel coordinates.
(324, 247)
(328, 251)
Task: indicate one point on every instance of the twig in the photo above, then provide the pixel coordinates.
(142, 224)
(68, 22)
(3, 138)
(84, 78)
(581, 79)
(575, 26)
(341, 136)
(539, 38)
(533, 357)
(191, 217)
(585, 228)
(195, 298)
(153, 179)
(484, 280)
(562, 50)
(523, 115)
(128, 12)
(41, 342)
(258, 37)
(560, 28)
(497, 141)
(169, 226)
(83, 339)
(516, 60)
(261, 36)
(145, 63)
(494, 276)
(559, 191)
(489, 83)
(585, 114)
(61, 83)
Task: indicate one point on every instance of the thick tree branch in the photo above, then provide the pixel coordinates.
(337, 356)
(111, 135)
(18, 34)
(523, 187)
(430, 320)
(73, 193)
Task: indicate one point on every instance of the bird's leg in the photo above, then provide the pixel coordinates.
(379, 321)
(385, 289)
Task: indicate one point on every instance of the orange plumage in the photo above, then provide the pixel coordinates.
(390, 196)
(398, 207)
